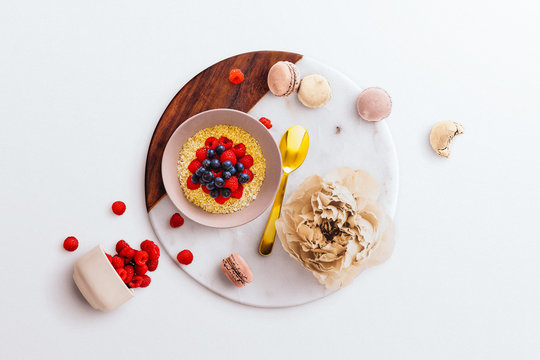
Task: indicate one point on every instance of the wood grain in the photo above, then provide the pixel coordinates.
(210, 89)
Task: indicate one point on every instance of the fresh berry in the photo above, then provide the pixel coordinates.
(109, 257)
(237, 194)
(231, 183)
(210, 153)
(141, 269)
(227, 143)
(118, 207)
(220, 149)
(211, 143)
(152, 264)
(226, 193)
(206, 163)
(243, 178)
(232, 170)
(184, 257)
(136, 281)
(153, 253)
(239, 167)
(176, 220)
(122, 273)
(145, 281)
(249, 173)
(127, 253)
(205, 189)
(226, 175)
(214, 193)
(247, 161)
(266, 122)
(208, 176)
(120, 245)
(117, 262)
(219, 182)
(71, 243)
(140, 257)
(236, 76)
(200, 171)
(239, 150)
(228, 155)
(217, 174)
(221, 200)
(194, 165)
(191, 185)
(150, 247)
(130, 272)
(200, 154)
(195, 179)
(211, 186)
(226, 164)
(215, 164)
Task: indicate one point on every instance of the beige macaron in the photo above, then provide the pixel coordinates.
(314, 91)
(283, 78)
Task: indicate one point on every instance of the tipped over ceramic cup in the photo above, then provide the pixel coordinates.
(99, 282)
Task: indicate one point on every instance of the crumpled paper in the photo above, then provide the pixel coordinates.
(334, 226)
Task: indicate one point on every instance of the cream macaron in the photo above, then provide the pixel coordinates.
(314, 91)
(237, 270)
(283, 78)
(374, 104)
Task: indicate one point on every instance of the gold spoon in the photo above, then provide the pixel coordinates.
(293, 146)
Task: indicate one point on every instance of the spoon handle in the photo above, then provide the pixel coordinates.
(267, 241)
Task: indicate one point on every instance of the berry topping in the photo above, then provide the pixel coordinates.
(117, 262)
(71, 243)
(141, 269)
(210, 153)
(130, 272)
(219, 182)
(194, 165)
(201, 154)
(247, 161)
(184, 257)
(118, 207)
(243, 178)
(221, 200)
(227, 143)
(205, 189)
(226, 193)
(195, 179)
(191, 185)
(266, 122)
(211, 142)
(231, 183)
(214, 193)
(211, 186)
(140, 258)
(226, 175)
(122, 273)
(120, 245)
(228, 155)
(215, 164)
(236, 76)
(206, 163)
(136, 281)
(249, 173)
(220, 149)
(239, 167)
(152, 264)
(176, 220)
(207, 176)
(237, 194)
(226, 164)
(145, 281)
(217, 174)
(239, 150)
(200, 171)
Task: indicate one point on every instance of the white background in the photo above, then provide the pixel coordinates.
(83, 84)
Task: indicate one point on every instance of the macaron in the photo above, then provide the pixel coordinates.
(237, 270)
(283, 78)
(374, 104)
(314, 91)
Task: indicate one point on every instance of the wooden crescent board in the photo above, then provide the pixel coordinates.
(338, 137)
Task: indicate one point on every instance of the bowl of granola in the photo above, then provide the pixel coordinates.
(221, 168)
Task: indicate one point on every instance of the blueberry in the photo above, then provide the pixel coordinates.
(200, 171)
(243, 178)
(220, 149)
(214, 193)
(208, 176)
(226, 164)
(215, 164)
(211, 186)
(225, 192)
(206, 163)
(239, 167)
(226, 175)
(232, 170)
(210, 153)
(194, 179)
(219, 182)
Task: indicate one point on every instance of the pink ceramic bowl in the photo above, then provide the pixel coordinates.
(208, 119)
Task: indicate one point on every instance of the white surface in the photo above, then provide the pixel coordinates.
(278, 279)
(82, 85)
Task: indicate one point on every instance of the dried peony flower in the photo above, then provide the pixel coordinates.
(334, 226)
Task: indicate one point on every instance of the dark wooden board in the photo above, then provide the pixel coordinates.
(210, 89)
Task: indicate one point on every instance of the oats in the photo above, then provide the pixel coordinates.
(251, 189)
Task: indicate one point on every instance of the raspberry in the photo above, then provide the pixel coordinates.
(236, 76)
(118, 207)
(145, 281)
(231, 183)
(117, 262)
(130, 272)
(140, 258)
(226, 142)
(205, 189)
(146, 244)
(211, 143)
(141, 269)
(176, 220)
(122, 273)
(184, 257)
(191, 185)
(194, 165)
(153, 253)
(71, 243)
(221, 200)
(266, 122)
(127, 253)
(228, 155)
(239, 150)
(217, 174)
(120, 245)
(201, 154)
(247, 161)
(249, 173)
(237, 194)
(152, 264)
(109, 257)
(136, 281)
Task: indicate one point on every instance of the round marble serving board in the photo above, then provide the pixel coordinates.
(338, 137)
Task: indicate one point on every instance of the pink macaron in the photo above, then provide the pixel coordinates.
(237, 270)
(283, 78)
(374, 104)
